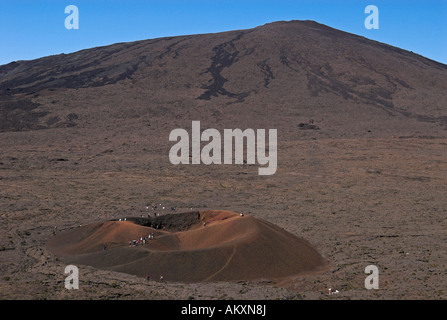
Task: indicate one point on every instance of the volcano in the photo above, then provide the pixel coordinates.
(191, 247)
(360, 180)
(279, 75)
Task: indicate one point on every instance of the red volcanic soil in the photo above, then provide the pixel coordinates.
(215, 246)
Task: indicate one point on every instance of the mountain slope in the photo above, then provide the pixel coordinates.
(277, 75)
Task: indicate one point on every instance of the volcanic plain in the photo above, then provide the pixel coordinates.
(361, 177)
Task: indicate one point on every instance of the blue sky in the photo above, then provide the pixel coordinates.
(31, 29)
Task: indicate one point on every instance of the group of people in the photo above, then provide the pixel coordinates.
(141, 240)
(156, 214)
(157, 226)
(155, 207)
